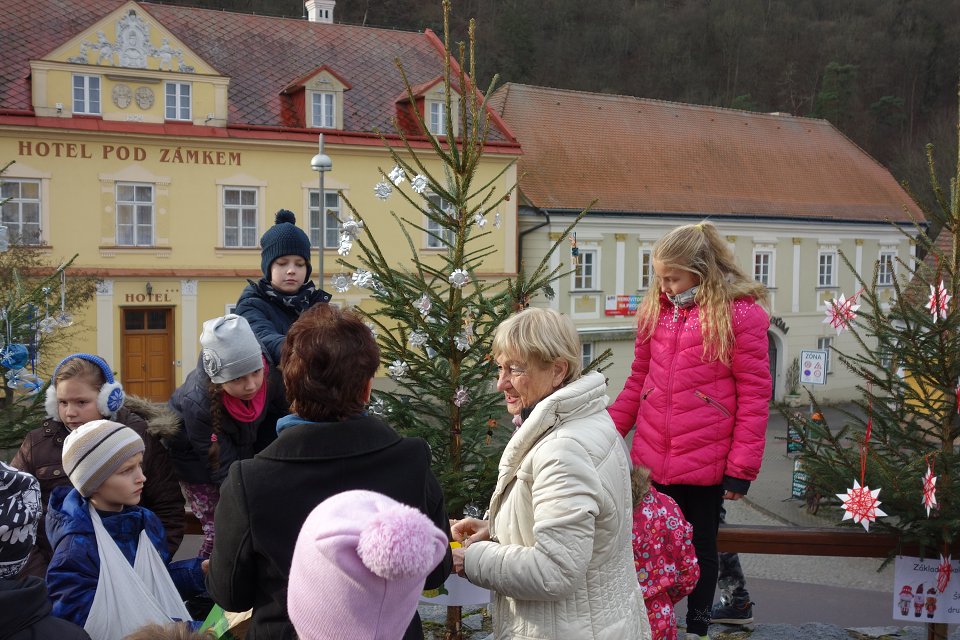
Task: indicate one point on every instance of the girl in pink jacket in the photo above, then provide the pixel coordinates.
(699, 389)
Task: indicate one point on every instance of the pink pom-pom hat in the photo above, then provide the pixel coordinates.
(359, 567)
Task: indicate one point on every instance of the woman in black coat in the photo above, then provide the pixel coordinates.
(329, 445)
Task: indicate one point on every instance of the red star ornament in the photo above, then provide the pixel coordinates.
(861, 504)
(929, 490)
(937, 304)
(943, 572)
(840, 312)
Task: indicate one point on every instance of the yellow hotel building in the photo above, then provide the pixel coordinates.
(157, 142)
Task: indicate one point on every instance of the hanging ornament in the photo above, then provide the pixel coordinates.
(362, 278)
(574, 251)
(419, 183)
(48, 325)
(937, 304)
(418, 339)
(423, 305)
(398, 369)
(351, 228)
(372, 327)
(841, 311)
(462, 341)
(480, 220)
(461, 397)
(943, 572)
(341, 282)
(929, 488)
(382, 190)
(497, 221)
(861, 504)
(63, 318)
(345, 245)
(397, 175)
(22, 380)
(14, 356)
(376, 407)
(459, 278)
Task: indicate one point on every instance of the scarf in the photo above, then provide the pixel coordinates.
(298, 302)
(247, 410)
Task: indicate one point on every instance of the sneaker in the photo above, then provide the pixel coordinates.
(732, 613)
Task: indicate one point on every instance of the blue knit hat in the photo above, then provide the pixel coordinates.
(284, 238)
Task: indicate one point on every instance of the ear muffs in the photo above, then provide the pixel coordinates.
(109, 400)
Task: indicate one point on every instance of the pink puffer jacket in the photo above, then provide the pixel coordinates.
(698, 421)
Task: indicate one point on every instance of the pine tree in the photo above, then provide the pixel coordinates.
(435, 321)
(37, 303)
(908, 363)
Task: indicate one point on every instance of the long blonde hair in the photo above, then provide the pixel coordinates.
(701, 250)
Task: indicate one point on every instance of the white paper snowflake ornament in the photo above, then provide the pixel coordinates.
(497, 220)
(480, 221)
(929, 490)
(397, 175)
(362, 278)
(937, 303)
(418, 339)
(341, 282)
(461, 397)
(841, 312)
(345, 246)
(351, 228)
(459, 278)
(398, 369)
(382, 190)
(419, 183)
(861, 505)
(462, 341)
(423, 305)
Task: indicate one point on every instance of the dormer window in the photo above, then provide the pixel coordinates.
(177, 101)
(323, 109)
(86, 94)
(437, 122)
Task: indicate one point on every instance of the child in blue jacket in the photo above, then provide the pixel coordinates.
(103, 461)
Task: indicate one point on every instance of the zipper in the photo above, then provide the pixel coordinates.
(645, 394)
(673, 369)
(710, 401)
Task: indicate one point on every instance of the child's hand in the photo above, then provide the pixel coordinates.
(470, 530)
(732, 495)
(205, 567)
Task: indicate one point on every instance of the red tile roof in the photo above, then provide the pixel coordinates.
(650, 156)
(262, 55)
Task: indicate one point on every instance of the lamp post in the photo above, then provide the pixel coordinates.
(321, 163)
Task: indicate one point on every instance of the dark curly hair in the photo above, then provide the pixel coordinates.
(327, 359)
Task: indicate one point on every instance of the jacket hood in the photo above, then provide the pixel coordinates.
(161, 421)
(23, 603)
(67, 513)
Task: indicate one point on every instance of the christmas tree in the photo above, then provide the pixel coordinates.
(898, 448)
(36, 305)
(435, 320)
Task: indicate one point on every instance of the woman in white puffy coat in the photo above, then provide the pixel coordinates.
(557, 546)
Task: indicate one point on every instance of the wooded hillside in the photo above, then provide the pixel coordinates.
(884, 72)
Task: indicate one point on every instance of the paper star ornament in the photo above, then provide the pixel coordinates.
(929, 490)
(840, 312)
(943, 572)
(937, 303)
(861, 505)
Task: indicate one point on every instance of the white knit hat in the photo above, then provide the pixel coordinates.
(92, 452)
(230, 348)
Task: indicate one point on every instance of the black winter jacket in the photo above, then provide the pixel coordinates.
(265, 501)
(270, 315)
(240, 440)
(25, 613)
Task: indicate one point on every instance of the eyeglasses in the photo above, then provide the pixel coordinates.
(514, 371)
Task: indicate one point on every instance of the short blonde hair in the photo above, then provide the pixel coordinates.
(542, 336)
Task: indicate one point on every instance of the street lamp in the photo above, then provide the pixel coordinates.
(321, 163)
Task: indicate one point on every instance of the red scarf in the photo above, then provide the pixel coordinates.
(247, 410)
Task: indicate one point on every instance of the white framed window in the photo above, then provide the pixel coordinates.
(21, 210)
(887, 268)
(437, 118)
(824, 344)
(585, 276)
(646, 268)
(240, 217)
(586, 354)
(86, 94)
(323, 110)
(135, 206)
(827, 268)
(177, 101)
(763, 267)
(331, 227)
(438, 236)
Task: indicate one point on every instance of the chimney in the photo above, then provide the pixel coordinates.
(320, 10)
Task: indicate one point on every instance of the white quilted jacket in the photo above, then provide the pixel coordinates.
(560, 559)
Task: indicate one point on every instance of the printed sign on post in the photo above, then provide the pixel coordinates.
(916, 596)
(813, 367)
